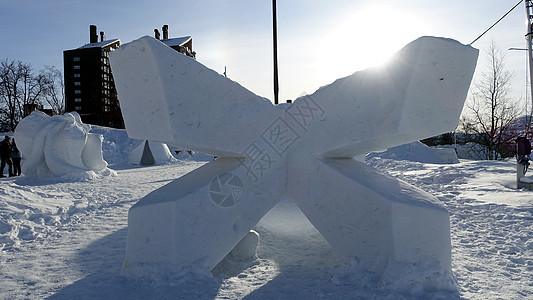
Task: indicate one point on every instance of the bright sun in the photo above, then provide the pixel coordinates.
(369, 36)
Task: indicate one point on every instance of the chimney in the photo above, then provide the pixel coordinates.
(93, 37)
(101, 36)
(165, 32)
(157, 34)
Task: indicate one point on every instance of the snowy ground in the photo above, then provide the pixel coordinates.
(66, 240)
(491, 223)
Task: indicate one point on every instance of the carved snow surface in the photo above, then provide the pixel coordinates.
(302, 151)
(59, 146)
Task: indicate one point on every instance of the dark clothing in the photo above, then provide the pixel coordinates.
(16, 166)
(523, 146)
(15, 157)
(5, 149)
(3, 165)
(5, 156)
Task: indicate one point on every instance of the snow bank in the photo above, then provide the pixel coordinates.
(419, 152)
(150, 153)
(116, 145)
(59, 146)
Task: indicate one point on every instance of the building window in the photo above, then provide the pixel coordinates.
(76, 58)
(77, 83)
(76, 67)
(77, 108)
(77, 92)
(77, 75)
(77, 100)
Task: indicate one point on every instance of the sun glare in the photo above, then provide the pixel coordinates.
(369, 36)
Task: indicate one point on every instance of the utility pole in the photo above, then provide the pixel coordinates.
(275, 30)
(529, 8)
(523, 145)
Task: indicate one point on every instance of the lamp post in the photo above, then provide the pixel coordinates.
(520, 164)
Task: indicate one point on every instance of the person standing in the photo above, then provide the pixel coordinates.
(5, 156)
(15, 157)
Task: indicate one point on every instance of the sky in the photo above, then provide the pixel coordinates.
(318, 41)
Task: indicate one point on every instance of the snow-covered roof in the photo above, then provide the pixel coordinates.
(177, 41)
(99, 44)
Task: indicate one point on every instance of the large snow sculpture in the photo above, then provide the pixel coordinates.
(303, 151)
(59, 146)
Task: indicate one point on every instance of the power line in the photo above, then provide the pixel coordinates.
(496, 22)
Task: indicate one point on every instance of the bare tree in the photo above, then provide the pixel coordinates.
(54, 89)
(490, 112)
(9, 91)
(33, 88)
(18, 87)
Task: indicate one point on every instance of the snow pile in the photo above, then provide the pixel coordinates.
(419, 152)
(116, 145)
(60, 146)
(150, 153)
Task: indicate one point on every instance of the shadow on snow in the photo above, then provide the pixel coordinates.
(102, 262)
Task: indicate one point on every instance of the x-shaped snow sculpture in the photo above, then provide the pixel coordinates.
(303, 151)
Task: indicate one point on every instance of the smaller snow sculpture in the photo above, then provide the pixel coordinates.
(150, 153)
(59, 146)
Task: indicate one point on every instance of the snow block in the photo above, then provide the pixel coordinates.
(371, 217)
(58, 146)
(197, 219)
(303, 151)
(164, 96)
